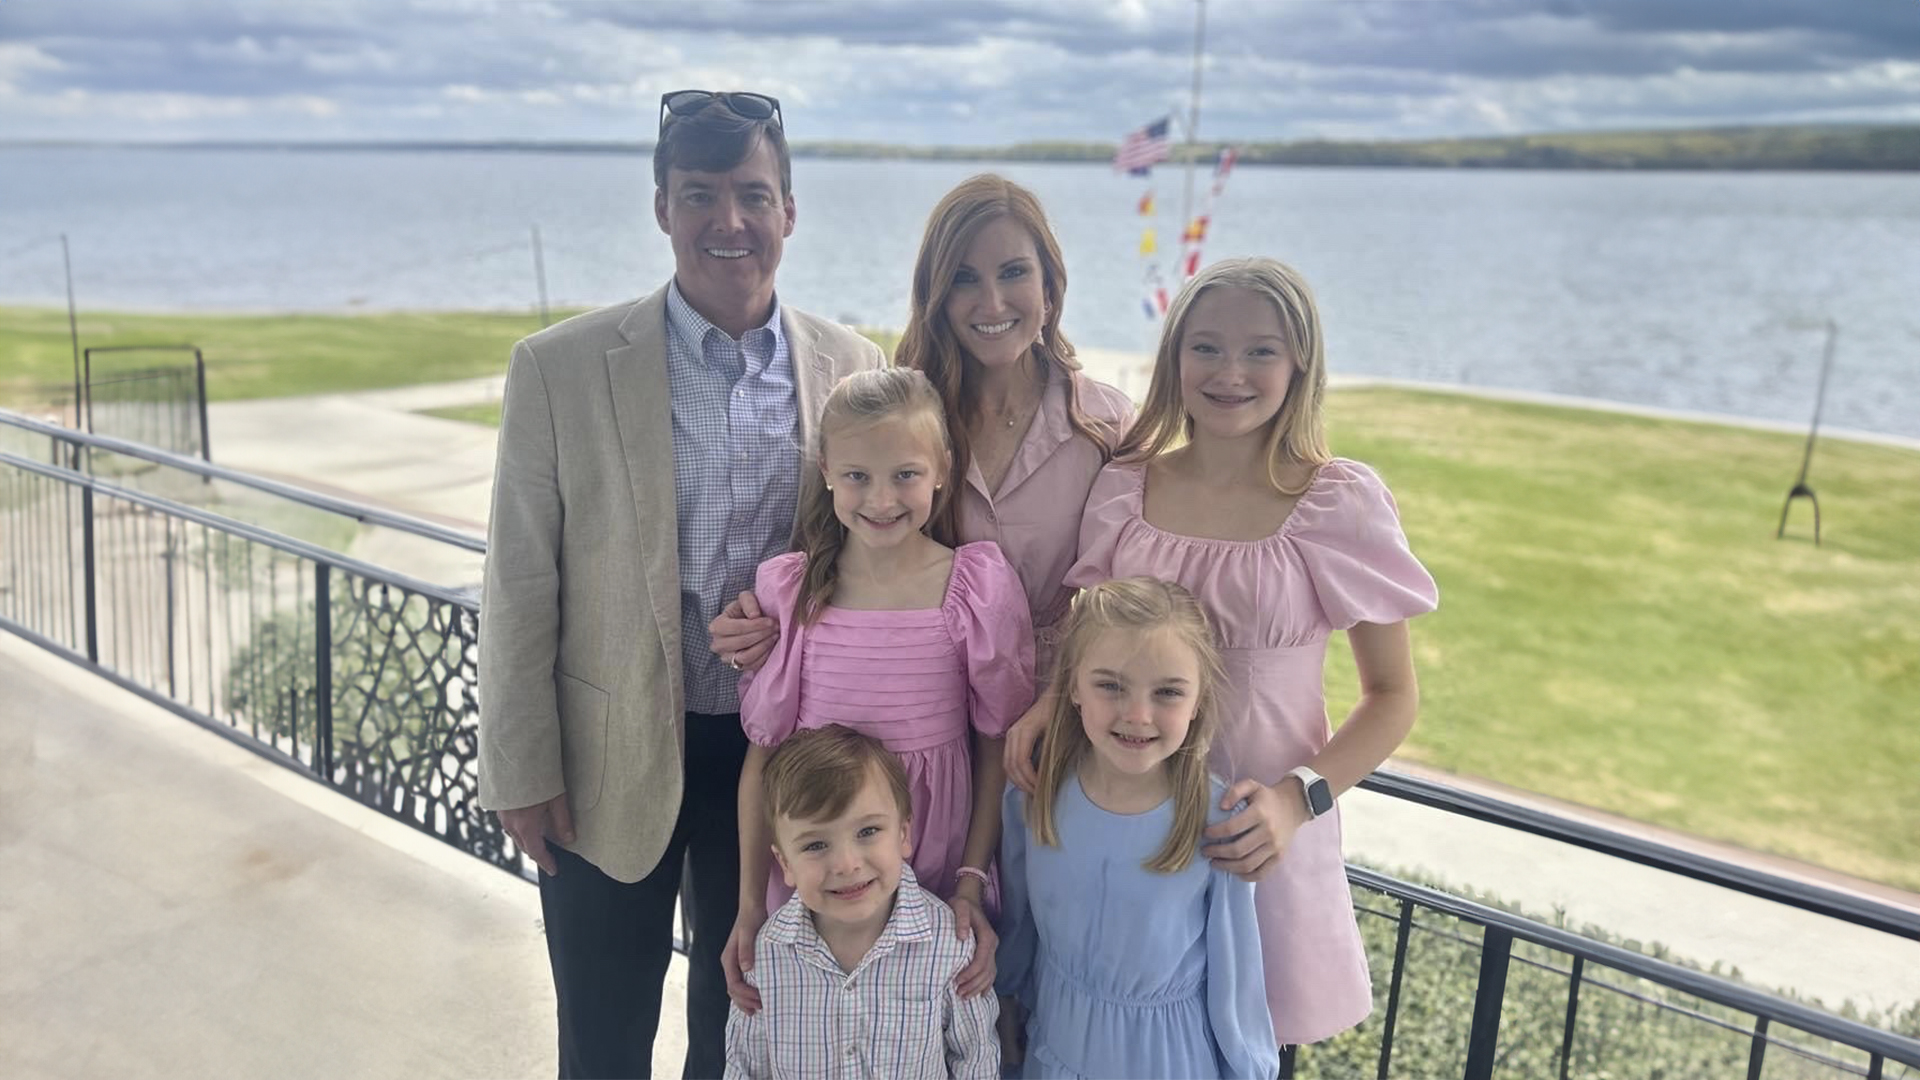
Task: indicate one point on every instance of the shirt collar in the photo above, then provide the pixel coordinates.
(1050, 429)
(911, 919)
(692, 326)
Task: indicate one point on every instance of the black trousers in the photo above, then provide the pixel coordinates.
(609, 941)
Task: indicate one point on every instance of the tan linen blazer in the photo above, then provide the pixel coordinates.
(580, 672)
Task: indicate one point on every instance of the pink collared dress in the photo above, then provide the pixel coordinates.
(920, 681)
(1340, 558)
(1033, 515)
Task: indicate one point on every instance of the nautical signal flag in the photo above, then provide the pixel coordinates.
(1144, 146)
(1228, 155)
(1196, 230)
(1154, 299)
(1147, 244)
(1146, 204)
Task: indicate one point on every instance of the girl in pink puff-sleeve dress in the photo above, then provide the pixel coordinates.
(1338, 559)
(918, 681)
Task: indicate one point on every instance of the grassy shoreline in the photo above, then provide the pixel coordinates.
(1618, 628)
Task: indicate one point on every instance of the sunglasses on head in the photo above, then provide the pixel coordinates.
(679, 103)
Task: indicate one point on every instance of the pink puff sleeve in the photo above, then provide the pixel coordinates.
(770, 697)
(1348, 534)
(987, 611)
(1117, 498)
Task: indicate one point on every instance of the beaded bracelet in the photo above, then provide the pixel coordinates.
(973, 872)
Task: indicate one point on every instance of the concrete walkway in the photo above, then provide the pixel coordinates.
(443, 469)
(173, 905)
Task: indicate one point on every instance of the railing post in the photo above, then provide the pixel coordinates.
(1495, 947)
(86, 555)
(1757, 1058)
(1573, 1014)
(1393, 994)
(323, 669)
(166, 559)
(200, 375)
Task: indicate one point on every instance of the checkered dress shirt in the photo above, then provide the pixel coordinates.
(895, 1015)
(736, 464)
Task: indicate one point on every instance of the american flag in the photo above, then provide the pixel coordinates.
(1142, 147)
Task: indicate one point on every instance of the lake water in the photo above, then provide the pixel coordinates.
(1702, 291)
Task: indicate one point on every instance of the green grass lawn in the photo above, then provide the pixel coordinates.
(253, 356)
(487, 413)
(250, 356)
(1618, 626)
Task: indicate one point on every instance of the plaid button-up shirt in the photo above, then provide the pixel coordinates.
(895, 1015)
(736, 468)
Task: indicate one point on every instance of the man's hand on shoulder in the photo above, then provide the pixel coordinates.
(530, 826)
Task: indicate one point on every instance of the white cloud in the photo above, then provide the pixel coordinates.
(967, 71)
(18, 60)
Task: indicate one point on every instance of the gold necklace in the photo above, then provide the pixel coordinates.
(1013, 416)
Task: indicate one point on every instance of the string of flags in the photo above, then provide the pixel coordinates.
(1139, 151)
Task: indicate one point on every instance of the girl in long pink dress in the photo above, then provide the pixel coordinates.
(887, 630)
(1225, 486)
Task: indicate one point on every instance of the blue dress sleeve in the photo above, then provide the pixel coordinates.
(1019, 938)
(1237, 982)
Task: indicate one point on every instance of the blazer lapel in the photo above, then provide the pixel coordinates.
(643, 408)
(813, 381)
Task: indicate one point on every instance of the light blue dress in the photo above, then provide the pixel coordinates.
(1125, 972)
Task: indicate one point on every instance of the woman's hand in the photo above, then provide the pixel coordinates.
(742, 634)
(1021, 739)
(1249, 844)
(970, 921)
(736, 958)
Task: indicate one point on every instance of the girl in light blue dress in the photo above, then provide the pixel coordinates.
(1123, 953)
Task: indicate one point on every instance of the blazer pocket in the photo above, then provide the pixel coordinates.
(583, 739)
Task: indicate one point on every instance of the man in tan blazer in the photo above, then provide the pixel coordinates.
(650, 456)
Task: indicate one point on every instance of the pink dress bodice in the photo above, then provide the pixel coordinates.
(1340, 558)
(919, 681)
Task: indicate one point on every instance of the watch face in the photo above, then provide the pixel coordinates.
(1319, 797)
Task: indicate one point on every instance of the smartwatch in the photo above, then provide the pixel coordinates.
(1319, 793)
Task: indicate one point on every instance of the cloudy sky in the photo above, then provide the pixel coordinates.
(980, 72)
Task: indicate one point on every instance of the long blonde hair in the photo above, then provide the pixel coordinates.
(929, 343)
(1298, 432)
(1139, 605)
(862, 399)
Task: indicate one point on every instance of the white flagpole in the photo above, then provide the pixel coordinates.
(1193, 110)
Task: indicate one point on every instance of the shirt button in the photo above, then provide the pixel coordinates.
(853, 1050)
(991, 517)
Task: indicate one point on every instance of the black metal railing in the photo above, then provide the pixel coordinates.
(364, 679)
(1846, 907)
(358, 676)
(1464, 989)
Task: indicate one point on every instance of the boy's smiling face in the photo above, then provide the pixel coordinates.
(846, 869)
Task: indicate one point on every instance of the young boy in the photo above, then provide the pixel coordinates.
(855, 972)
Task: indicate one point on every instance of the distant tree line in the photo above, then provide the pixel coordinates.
(1807, 146)
(1792, 147)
